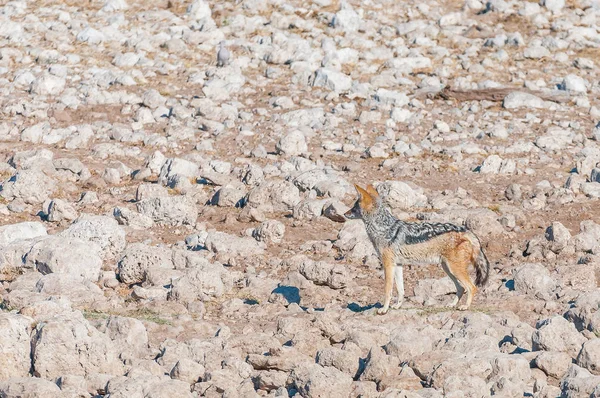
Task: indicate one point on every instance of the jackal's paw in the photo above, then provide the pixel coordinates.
(463, 307)
(397, 305)
(454, 302)
(382, 311)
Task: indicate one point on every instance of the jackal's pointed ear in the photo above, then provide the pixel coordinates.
(361, 192)
(372, 191)
(366, 201)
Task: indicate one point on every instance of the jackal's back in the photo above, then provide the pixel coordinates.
(415, 233)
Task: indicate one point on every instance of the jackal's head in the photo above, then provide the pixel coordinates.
(366, 203)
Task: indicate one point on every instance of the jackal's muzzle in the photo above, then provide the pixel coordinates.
(354, 213)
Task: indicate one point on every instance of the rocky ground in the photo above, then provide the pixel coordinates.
(171, 228)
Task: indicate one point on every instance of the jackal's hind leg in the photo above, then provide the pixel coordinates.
(458, 261)
(459, 288)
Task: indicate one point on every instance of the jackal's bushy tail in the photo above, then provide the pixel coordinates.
(482, 268)
(481, 263)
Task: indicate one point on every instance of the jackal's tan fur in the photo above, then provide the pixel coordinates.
(397, 243)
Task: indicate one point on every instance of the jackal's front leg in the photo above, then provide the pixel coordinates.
(388, 261)
(399, 279)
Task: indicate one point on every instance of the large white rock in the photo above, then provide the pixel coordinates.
(557, 334)
(102, 230)
(574, 84)
(68, 344)
(15, 347)
(518, 99)
(199, 10)
(24, 230)
(535, 280)
(346, 19)
(91, 36)
(170, 210)
(205, 281)
(33, 186)
(139, 258)
(292, 144)
(399, 195)
(114, 5)
(332, 79)
(29, 387)
(66, 256)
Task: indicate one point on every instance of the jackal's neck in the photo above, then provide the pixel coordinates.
(378, 223)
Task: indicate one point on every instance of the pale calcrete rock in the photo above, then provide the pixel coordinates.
(273, 195)
(346, 19)
(269, 231)
(579, 382)
(29, 387)
(229, 195)
(428, 291)
(139, 258)
(77, 289)
(170, 210)
(354, 241)
(21, 231)
(483, 222)
(554, 364)
(534, 279)
(33, 186)
(332, 80)
(306, 180)
(585, 312)
(68, 344)
(346, 360)
(114, 5)
(45, 309)
(132, 218)
(206, 280)
(558, 334)
(150, 191)
(555, 139)
(223, 243)
(148, 386)
(379, 366)
(314, 381)
(471, 370)
(178, 166)
(102, 230)
(224, 83)
(73, 256)
(410, 341)
(59, 210)
(494, 164)
(399, 195)
(292, 144)
(128, 334)
(48, 84)
(558, 236)
(15, 347)
(309, 209)
(187, 370)
(589, 357)
(518, 99)
(323, 273)
(199, 10)
(91, 36)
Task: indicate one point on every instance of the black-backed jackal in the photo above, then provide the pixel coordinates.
(398, 242)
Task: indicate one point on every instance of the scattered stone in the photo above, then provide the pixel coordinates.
(557, 334)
